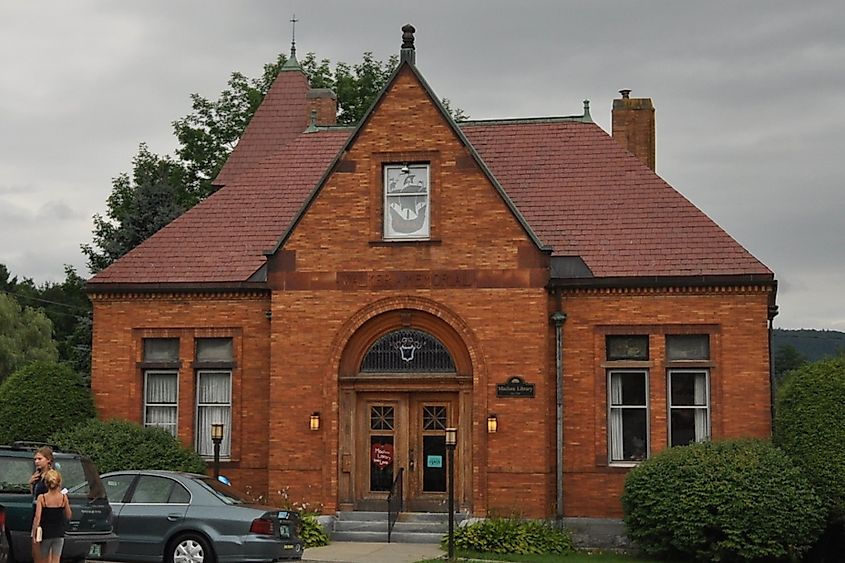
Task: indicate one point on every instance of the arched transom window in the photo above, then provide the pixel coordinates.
(407, 350)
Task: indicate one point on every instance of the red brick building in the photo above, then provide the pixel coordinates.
(349, 293)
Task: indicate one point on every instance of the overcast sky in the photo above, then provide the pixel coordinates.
(749, 100)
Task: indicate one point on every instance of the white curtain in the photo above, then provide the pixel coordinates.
(701, 401)
(213, 407)
(616, 448)
(161, 393)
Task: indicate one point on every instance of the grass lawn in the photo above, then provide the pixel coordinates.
(575, 557)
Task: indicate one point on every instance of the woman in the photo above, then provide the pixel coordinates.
(43, 463)
(52, 511)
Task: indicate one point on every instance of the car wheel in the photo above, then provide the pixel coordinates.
(189, 548)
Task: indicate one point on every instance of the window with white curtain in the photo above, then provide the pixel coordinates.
(161, 397)
(628, 415)
(689, 406)
(214, 405)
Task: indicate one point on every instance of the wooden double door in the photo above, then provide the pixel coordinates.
(403, 431)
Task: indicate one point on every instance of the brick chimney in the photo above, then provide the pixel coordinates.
(324, 102)
(633, 126)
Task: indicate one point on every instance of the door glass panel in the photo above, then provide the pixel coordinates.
(381, 463)
(381, 418)
(434, 463)
(434, 418)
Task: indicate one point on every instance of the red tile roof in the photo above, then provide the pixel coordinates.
(584, 195)
(580, 192)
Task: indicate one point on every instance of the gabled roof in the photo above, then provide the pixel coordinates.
(576, 191)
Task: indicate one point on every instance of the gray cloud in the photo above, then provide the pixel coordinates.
(749, 113)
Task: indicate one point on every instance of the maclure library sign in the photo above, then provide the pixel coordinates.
(515, 387)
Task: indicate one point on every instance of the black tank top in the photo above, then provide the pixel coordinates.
(53, 522)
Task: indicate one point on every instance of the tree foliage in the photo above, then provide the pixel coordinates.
(162, 187)
(786, 359)
(68, 309)
(26, 335)
(118, 444)
(734, 500)
(40, 399)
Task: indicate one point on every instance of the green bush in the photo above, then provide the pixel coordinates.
(118, 444)
(40, 399)
(512, 535)
(809, 426)
(721, 501)
(310, 530)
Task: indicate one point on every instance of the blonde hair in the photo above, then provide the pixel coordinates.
(53, 479)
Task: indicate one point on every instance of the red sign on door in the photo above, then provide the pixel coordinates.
(381, 455)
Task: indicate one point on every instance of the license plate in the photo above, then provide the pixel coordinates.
(96, 550)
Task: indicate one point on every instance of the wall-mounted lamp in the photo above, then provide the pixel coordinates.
(315, 421)
(451, 437)
(405, 168)
(492, 423)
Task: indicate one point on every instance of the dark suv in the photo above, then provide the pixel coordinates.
(89, 532)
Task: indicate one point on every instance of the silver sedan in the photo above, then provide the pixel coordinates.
(187, 518)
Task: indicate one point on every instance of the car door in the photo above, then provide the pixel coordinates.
(154, 506)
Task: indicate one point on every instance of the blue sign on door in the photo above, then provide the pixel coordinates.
(434, 461)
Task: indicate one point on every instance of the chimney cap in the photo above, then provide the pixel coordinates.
(626, 93)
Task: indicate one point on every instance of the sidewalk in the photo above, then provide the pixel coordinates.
(363, 552)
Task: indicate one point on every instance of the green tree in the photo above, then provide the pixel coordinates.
(206, 137)
(40, 399)
(68, 308)
(787, 358)
(26, 335)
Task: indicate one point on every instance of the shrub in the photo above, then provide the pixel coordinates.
(721, 501)
(41, 398)
(118, 444)
(809, 426)
(310, 531)
(512, 535)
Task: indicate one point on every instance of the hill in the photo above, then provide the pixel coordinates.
(812, 344)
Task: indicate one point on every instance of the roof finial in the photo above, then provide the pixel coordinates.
(293, 21)
(407, 53)
(587, 118)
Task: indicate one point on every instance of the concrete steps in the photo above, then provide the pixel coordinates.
(410, 527)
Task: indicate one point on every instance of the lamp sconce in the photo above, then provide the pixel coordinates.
(217, 432)
(315, 421)
(268, 314)
(492, 423)
(451, 437)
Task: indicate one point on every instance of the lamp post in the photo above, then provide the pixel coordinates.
(451, 442)
(217, 438)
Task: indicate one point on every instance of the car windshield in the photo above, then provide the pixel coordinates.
(225, 493)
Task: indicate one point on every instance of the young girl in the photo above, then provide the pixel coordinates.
(52, 511)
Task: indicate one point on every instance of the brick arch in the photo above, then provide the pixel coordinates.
(378, 318)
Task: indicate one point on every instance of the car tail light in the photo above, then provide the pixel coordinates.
(262, 526)
(2, 520)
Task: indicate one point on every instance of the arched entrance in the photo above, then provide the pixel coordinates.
(405, 377)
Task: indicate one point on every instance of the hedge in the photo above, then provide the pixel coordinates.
(512, 535)
(41, 398)
(117, 444)
(721, 501)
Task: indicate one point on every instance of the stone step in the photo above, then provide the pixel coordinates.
(420, 526)
(410, 527)
(395, 537)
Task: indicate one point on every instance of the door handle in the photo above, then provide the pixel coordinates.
(411, 460)
(173, 517)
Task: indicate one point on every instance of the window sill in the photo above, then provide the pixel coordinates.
(408, 242)
(624, 464)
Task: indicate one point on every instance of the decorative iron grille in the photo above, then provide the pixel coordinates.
(408, 350)
(434, 418)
